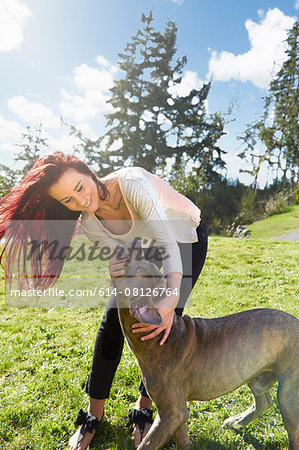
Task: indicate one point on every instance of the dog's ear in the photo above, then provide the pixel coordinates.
(134, 250)
(147, 315)
(135, 243)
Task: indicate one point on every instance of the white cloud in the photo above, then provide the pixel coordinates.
(63, 143)
(83, 108)
(105, 63)
(13, 16)
(34, 113)
(90, 79)
(89, 99)
(265, 57)
(87, 131)
(178, 2)
(10, 135)
(9, 129)
(296, 4)
(189, 81)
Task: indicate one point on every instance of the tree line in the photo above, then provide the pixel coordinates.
(155, 126)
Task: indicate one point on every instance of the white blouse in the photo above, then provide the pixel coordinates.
(157, 213)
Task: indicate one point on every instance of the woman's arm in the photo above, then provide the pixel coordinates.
(142, 197)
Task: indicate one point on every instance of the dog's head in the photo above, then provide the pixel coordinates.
(141, 286)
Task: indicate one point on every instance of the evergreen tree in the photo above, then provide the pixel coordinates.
(278, 127)
(196, 153)
(141, 97)
(150, 121)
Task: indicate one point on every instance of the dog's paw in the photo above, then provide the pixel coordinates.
(234, 422)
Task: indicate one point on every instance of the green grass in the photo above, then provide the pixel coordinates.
(45, 357)
(276, 225)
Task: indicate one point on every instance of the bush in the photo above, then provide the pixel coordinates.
(247, 208)
(277, 203)
(228, 204)
(297, 195)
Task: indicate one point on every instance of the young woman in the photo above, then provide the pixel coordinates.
(126, 204)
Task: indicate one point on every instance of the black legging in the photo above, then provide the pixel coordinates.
(109, 341)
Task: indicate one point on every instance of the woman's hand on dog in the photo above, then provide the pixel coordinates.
(117, 265)
(167, 314)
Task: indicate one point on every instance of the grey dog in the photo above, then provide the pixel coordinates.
(205, 358)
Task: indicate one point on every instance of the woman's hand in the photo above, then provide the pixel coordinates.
(167, 314)
(117, 264)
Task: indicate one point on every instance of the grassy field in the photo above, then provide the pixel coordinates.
(276, 225)
(45, 356)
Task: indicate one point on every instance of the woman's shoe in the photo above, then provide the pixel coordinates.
(88, 423)
(141, 417)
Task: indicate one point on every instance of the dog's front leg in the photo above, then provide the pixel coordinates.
(165, 425)
(182, 439)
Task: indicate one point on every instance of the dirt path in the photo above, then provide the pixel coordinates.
(293, 236)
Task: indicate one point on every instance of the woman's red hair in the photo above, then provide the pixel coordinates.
(25, 213)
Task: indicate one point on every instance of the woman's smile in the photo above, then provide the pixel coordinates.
(76, 191)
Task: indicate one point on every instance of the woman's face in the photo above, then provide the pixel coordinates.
(76, 191)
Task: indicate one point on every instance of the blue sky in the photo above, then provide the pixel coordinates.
(59, 58)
